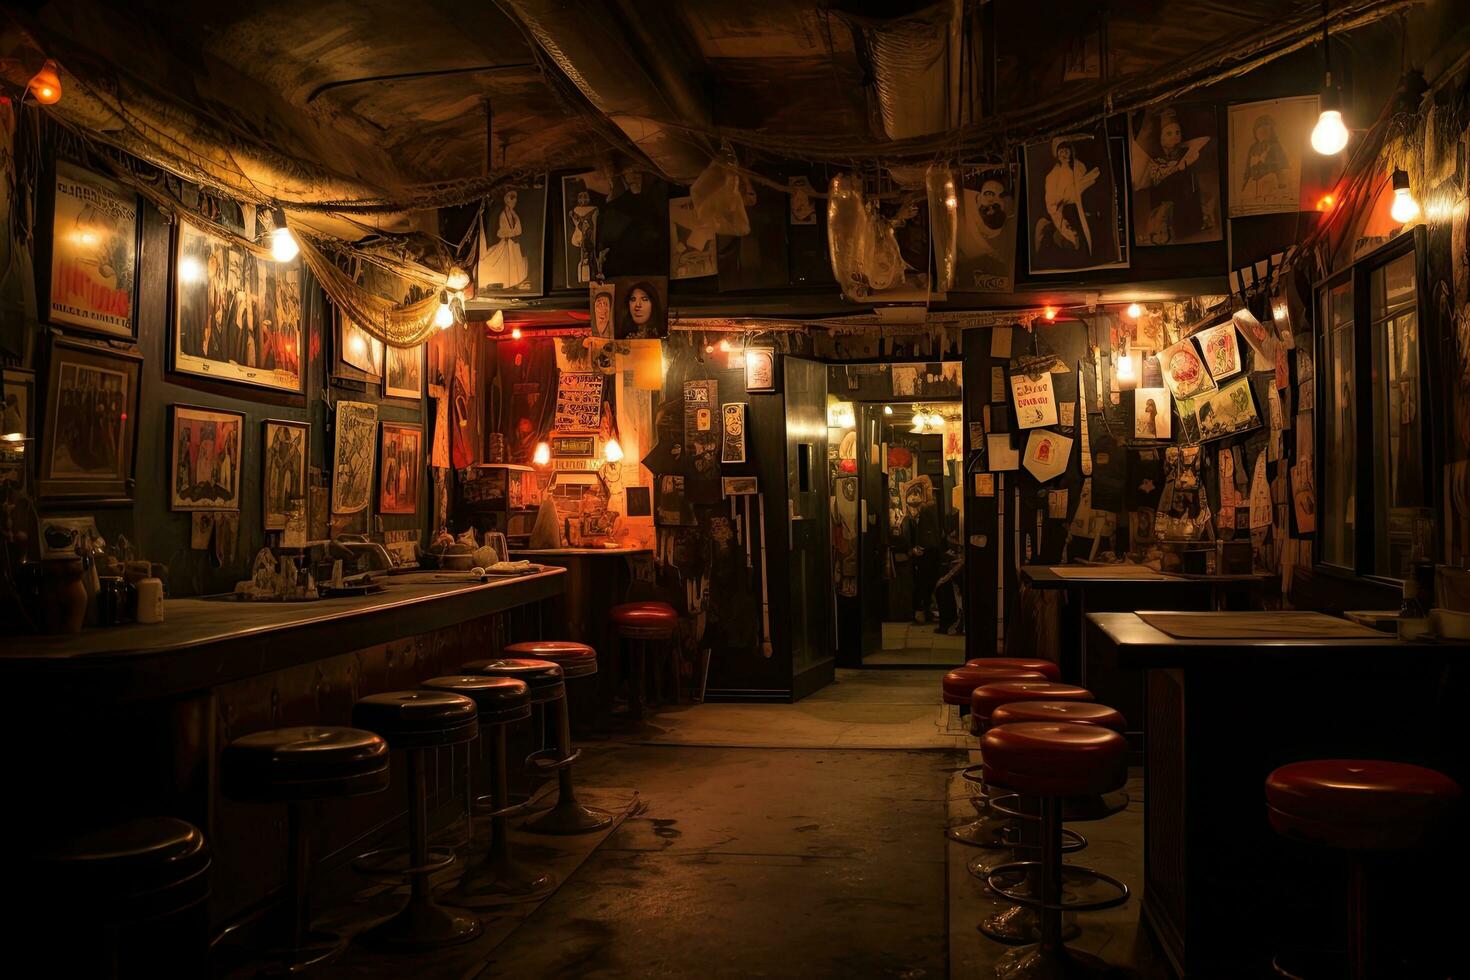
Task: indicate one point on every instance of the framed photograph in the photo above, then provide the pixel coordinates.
(760, 369)
(285, 449)
(17, 418)
(358, 354)
(403, 372)
(1267, 143)
(1072, 204)
(985, 249)
(641, 308)
(352, 457)
(90, 425)
(237, 315)
(94, 252)
(206, 447)
(574, 447)
(1174, 152)
(512, 237)
(739, 486)
(402, 468)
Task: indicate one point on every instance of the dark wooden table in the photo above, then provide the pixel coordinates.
(1221, 891)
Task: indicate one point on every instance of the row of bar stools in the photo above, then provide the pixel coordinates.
(80, 895)
(957, 688)
(298, 767)
(1361, 808)
(642, 623)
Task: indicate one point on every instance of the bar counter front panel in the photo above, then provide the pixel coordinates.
(131, 721)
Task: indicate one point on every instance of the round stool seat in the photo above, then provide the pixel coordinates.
(418, 719)
(500, 700)
(575, 659)
(1055, 758)
(646, 620)
(542, 677)
(308, 763)
(1051, 671)
(1073, 712)
(984, 700)
(958, 684)
(146, 867)
(1360, 804)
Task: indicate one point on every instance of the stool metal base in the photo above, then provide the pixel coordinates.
(317, 948)
(1053, 963)
(982, 832)
(1016, 925)
(497, 882)
(569, 817)
(422, 924)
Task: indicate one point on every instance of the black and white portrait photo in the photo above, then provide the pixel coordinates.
(985, 251)
(512, 236)
(1072, 204)
(583, 197)
(1175, 157)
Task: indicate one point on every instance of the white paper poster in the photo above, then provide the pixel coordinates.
(1153, 415)
(1036, 403)
(1000, 454)
(1046, 454)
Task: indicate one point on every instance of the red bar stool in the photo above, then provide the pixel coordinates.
(298, 767)
(958, 684)
(1051, 671)
(1052, 761)
(1366, 809)
(642, 623)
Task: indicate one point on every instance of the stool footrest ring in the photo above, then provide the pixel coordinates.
(382, 863)
(483, 808)
(1016, 894)
(551, 760)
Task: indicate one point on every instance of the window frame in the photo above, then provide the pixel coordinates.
(1360, 274)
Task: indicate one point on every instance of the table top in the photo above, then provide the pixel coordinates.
(577, 552)
(1081, 576)
(1139, 645)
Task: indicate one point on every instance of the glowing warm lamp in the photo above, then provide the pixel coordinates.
(1405, 208)
(542, 454)
(725, 346)
(887, 409)
(457, 279)
(444, 315)
(1050, 313)
(613, 451)
(1125, 367)
(515, 333)
(1330, 134)
(936, 421)
(45, 85)
(1134, 311)
(1326, 202)
(283, 243)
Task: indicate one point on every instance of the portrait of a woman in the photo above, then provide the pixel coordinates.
(503, 265)
(640, 310)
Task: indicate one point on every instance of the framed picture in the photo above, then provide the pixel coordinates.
(1073, 208)
(402, 451)
(17, 418)
(512, 238)
(237, 315)
(574, 447)
(760, 369)
(206, 450)
(583, 197)
(67, 537)
(985, 248)
(285, 449)
(739, 486)
(1268, 141)
(403, 372)
(94, 252)
(1174, 155)
(90, 425)
(641, 308)
(352, 457)
(358, 354)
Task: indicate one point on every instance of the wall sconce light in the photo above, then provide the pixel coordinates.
(1405, 208)
(45, 85)
(542, 454)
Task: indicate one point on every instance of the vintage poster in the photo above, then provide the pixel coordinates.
(760, 369)
(1047, 453)
(985, 250)
(985, 484)
(692, 253)
(1184, 372)
(401, 467)
(1072, 204)
(641, 308)
(206, 446)
(583, 197)
(1230, 410)
(1261, 341)
(578, 402)
(237, 315)
(1174, 151)
(94, 252)
(90, 423)
(512, 236)
(1267, 143)
(1035, 401)
(1221, 350)
(732, 449)
(1152, 414)
(353, 455)
(403, 372)
(285, 447)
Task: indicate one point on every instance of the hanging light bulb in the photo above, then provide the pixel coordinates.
(457, 279)
(542, 454)
(613, 451)
(45, 85)
(1050, 313)
(283, 243)
(1325, 202)
(444, 314)
(725, 346)
(887, 409)
(1330, 134)
(921, 424)
(936, 421)
(515, 333)
(1134, 311)
(1405, 208)
(1125, 368)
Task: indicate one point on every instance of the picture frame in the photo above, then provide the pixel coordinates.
(17, 415)
(91, 269)
(512, 240)
(353, 456)
(88, 453)
(206, 458)
(401, 467)
(403, 372)
(235, 315)
(641, 308)
(285, 450)
(574, 447)
(356, 354)
(760, 369)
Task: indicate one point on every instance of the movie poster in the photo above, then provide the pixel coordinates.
(94, 252)
(985, 252)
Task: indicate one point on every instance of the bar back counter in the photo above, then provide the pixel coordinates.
(131, 721)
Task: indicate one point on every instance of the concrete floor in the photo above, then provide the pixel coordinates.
(912, 644)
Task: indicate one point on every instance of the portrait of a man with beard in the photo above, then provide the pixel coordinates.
(986, 249)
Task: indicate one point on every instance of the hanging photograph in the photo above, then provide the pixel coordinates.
(17, 417)
(1184, 372)
(641, 308)
(1175, 162)
(1230, 410)
(985, 253)
(403, 372)
(692, 251)
(206, 447)
(760, 369)
(352, 457)
(90, 424)
(237, 315)
(285, 448)
(582, 197)
(1072, 207)
(1046, 455)
(358, 351)
(512, 235)
(633, 228)
(402, 465)
(1221, 349)
(1152, 414)
(1267, 142)
(94, 252)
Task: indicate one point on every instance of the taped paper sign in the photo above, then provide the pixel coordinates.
(1035, 401)
(578, 402)
(1046, 454)
(733, 448)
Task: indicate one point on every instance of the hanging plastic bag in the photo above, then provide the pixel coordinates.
(944, 225)
(717, 201)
